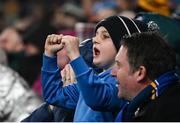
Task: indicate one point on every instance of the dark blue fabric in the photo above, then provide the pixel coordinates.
(120, 114)
(69, 96)
(86, 51)
(165, 80)
(42, 114)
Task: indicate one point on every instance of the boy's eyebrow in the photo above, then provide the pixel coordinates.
(117, 62)
(103, 31)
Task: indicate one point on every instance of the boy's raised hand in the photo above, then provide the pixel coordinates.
(71, 44)
(53, 44)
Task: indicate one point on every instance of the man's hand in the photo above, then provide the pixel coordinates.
(68, 75)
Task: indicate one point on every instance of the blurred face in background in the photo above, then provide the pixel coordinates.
(105, 13)
(62, 20)
(10, 41)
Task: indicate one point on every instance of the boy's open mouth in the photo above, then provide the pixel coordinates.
(96, 51)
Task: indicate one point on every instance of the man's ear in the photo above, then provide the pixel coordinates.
(141, 74)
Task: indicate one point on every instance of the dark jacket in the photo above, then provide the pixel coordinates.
(165, 108)
(44, 114)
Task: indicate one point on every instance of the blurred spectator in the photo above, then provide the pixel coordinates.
(126, 4)
(11, 42)
(104, 9)
(68, 19)
(156, 6)
(17, 99)
(126, 8)
(84, 30)
(34, 28)
(33, 39)
(11, 9)
(24, 50)
(174, 4)
(97, 10)
(18, 54)
(65, 17)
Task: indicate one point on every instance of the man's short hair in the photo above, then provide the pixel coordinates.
(151, 50)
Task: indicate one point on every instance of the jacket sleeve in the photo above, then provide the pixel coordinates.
(41, 114)
(99, 92)
(53, 91)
